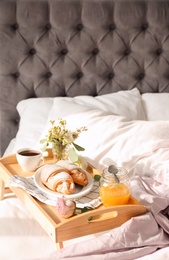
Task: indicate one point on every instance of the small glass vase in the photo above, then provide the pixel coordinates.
(60, 152)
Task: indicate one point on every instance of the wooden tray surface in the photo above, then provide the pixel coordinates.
(60, 229)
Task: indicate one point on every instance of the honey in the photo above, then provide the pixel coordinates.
(111, 192)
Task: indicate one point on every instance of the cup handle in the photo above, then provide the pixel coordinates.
(42, 162)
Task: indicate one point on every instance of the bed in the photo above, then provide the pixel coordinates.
(103, 64)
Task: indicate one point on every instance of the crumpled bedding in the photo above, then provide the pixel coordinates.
(138, 237)
(139, 146)
(126, 142)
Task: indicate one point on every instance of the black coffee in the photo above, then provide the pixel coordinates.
(29, 153)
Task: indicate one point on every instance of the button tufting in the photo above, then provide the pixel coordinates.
(32, 51)
(16, 121)
(110, 75)
(127, 52)
(79, 75)
(48, 26)
(79, 27)
(112, 27)
(141, 76)
(158, 51)
(15, 26)
(144, 26)
(95, 51)
(64, 51)
(48, 74)
(16, 74)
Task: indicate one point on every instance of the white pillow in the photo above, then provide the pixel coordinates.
(126, 103)
(33, 114)
(156, 106)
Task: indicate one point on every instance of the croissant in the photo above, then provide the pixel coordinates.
(57, 178)
(78, 174)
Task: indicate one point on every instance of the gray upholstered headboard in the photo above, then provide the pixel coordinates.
(74, 47)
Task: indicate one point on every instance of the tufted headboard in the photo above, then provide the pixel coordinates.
(79, 47)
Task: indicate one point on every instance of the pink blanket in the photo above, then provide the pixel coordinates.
(137, 237)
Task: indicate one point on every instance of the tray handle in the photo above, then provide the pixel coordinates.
(119, 213)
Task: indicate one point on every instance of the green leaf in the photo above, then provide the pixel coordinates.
(78, 147)
(73, 155)
(86, 209)
(90, 218)
(43, 141)
(83, 210)
(44, 148)
(97, 177)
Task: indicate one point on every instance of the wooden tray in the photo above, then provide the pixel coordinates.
(60, 229)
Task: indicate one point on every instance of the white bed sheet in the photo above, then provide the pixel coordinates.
(21, 236)
(28, 240)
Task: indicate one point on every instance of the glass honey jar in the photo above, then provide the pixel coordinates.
(114, 186)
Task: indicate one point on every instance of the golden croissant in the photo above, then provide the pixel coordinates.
(57, 178)
(78, 174)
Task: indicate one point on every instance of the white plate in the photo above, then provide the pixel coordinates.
(78, 192)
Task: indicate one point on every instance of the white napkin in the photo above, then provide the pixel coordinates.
(92, 199)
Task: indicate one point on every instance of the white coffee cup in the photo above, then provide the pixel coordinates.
(29, 159)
